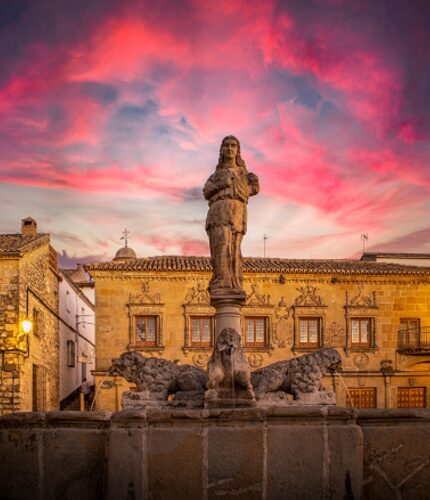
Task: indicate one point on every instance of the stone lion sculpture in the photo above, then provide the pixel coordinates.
(228, 367)
(301, 377)
(158, 377)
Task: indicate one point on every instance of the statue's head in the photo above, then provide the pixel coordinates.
(230, 149)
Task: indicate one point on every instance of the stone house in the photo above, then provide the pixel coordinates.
(77, 337)
(376, 314)
(29, 358)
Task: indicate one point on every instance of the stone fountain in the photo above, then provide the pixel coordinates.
(225, 432)
(228, 382)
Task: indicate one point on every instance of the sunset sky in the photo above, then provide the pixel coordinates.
(111, 116)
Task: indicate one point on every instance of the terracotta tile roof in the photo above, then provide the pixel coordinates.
(392, 255)
(263, 265)
(18, 244)
(77, 276)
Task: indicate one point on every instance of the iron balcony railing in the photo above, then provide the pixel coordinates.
(414, 341)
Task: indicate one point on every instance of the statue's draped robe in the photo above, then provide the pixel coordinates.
(228, 190)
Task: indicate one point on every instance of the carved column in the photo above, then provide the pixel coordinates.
(228, 308)
(387, 380)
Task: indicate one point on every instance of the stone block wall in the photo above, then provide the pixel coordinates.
(294, 452)
(22, 355)
(10, 341)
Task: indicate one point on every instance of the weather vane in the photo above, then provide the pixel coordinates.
(126, 237)
(265, 238)
(364, 238)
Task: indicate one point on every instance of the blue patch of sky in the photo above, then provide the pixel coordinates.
(138, 112)
(102, 93)
(305, 94)
(164, 129)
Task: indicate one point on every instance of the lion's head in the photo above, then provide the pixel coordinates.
(330, 360)
(228, 341)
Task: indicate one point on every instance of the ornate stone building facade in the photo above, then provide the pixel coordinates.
(375, 314)
(29, 361)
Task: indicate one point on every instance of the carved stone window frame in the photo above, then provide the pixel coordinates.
(145, 303)
(258, 311)
(156, 310)
(308, 312)
(200, 318)
(361, 306)
(355, 312)
(196, 310)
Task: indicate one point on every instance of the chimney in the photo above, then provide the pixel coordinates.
(29, 226)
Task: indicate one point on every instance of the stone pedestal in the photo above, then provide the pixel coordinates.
(139, 400)
(229, 398)
(228, 305)
(229, 380)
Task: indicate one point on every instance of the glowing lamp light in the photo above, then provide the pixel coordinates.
(27, 325)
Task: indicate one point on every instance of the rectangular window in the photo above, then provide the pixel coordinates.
(36, 323)
(309, 332)
(68, 299)
(361, 332)
(84, 317)
(146, 330)
(255, 331)
(411, 397)
(71, 353)
(201, 331)
(361, 397)
(409, 335)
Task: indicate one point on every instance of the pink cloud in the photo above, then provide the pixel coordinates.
(137, 180)
(372, 83)
(175, 244)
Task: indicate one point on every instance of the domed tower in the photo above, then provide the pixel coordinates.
(125, 253)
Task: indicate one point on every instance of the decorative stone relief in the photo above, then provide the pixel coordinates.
(334, 335)
(396, 469)
(201, 359)
(282, 331)
(387, 366)
(308, 297)
(145, 297)
(257, 299)
(198, 295)
(361, 381)
(255, 360)
(360, 360)
(361, 300)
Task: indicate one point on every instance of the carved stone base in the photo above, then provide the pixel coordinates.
(227, 398)
(187, 399)
(141, 400)
(277, 398)
(281, 398)
(322, 397)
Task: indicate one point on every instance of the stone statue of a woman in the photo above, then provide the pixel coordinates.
(227, 191)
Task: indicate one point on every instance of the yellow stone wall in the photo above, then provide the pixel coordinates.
(334, 298)
(18, 351)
